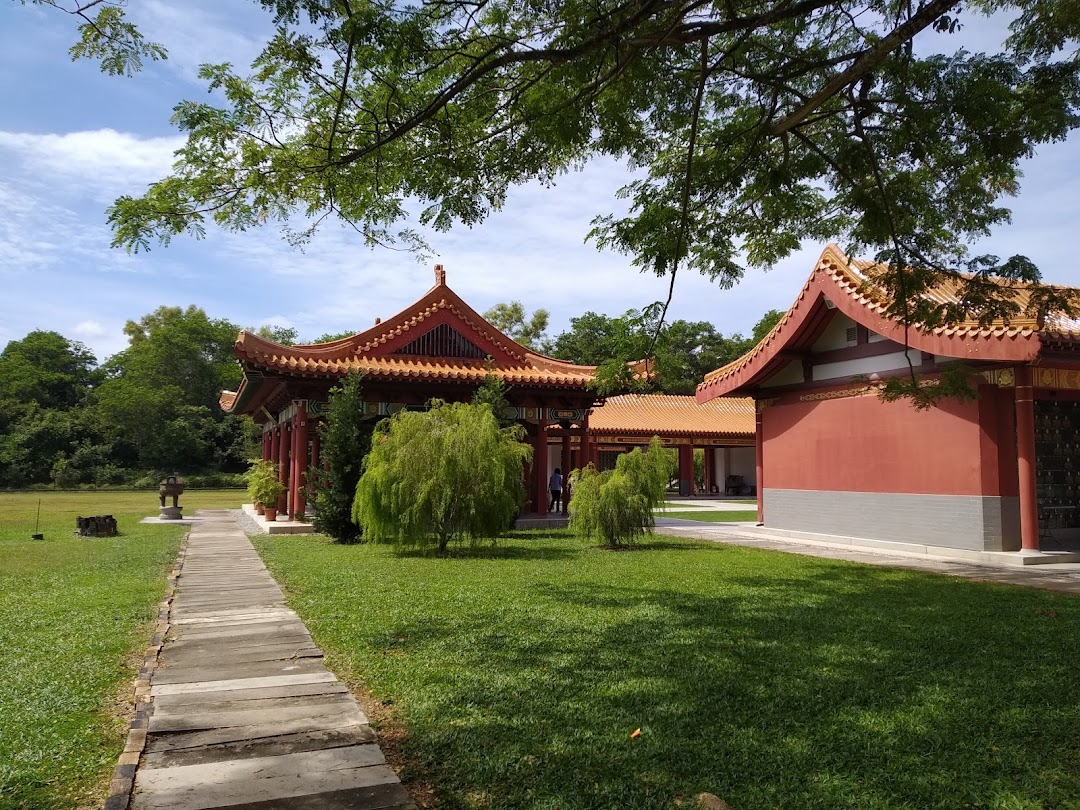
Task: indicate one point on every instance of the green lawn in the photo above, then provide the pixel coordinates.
(771, 680)
(713, 516)
(72, 612)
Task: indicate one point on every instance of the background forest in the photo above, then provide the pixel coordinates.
(70, 420)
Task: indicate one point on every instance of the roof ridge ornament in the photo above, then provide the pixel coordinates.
(440, 276)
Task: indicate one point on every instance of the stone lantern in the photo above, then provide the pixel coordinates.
(171, 487)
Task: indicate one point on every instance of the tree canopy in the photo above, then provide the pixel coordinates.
(681, 352)
(510, 320)
(616, 506)
(150, 409)
(749, 127)
(46, 368)
(449, 472)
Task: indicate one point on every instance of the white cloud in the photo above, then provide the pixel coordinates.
(100, 162)
(203, 32)
(85, 330)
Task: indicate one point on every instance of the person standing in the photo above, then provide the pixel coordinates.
(555, 485)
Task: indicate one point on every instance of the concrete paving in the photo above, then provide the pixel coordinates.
(699, 502)
(280, 525)
(243, 712)
(1064, 577)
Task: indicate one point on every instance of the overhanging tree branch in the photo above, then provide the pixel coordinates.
(867, 61)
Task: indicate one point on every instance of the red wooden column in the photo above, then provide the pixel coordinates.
(540, 465)
(686, 469)
(710, 469)
(297, 501)
(315, 444)
(283, 468)
(585, 448)
(274, 444)
(565, 468)
(759, 467)
(294, 453)
(267, 437)
(1025, 462)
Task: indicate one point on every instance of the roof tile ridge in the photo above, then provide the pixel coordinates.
(400, 322)
(554, 364)
(831, 257)
(252, 343)
(487, 334)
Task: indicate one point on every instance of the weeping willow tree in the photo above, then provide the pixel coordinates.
(444, 474)
(615, 507)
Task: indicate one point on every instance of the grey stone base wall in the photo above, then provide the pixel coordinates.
(973, 522)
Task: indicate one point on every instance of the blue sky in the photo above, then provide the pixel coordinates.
(73, 139)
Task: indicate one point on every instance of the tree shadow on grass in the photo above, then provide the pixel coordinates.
(818, 685)
(486, 551)
(665, 543)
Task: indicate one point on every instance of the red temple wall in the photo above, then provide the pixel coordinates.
(861, 444)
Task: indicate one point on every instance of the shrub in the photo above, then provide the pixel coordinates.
(345, 437)
(446, 473)
(263, 484)
(615, 507)
(215, 480)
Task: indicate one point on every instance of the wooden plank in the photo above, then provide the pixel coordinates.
(276, 745)
(164, 708)
(192, 740)
(226, 656)
(215, 645)
(244, 713)
(241, 683)
(255, 669)
(239, 696)
(240, 619)
(195, 720)
(237, 631)
(218, 784)
(376, 797)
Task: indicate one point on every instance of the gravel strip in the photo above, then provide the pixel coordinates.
(247, 523)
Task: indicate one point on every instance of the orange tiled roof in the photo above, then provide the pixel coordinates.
(848, 285)
(668, 415)
(372, 352)
(532, 369)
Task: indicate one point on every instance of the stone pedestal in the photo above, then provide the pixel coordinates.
(172, 513)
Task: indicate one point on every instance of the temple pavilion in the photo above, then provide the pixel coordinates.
(723, 428)
(440, 347)
(998, 474)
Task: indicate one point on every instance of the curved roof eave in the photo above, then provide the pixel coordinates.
(834, 284)
(323, 358)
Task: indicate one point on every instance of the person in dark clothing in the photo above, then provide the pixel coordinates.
(555, 485)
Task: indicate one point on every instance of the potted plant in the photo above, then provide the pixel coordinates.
(256, 469)
(264, 488)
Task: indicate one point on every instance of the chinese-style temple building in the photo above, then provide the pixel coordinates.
(438, 347)
(1001, 473)
(722, 427)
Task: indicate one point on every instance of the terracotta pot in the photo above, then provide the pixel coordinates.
(270, 512)
(259, 509)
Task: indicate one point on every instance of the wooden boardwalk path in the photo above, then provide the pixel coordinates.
(244, 714)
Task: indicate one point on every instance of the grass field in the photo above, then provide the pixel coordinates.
(72, 613)
(520, 674)
(711, 516)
